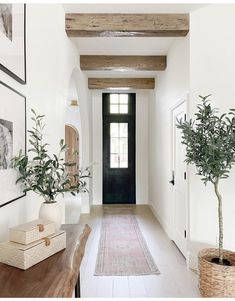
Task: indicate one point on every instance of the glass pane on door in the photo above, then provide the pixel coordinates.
(118, 104)
(119, 145)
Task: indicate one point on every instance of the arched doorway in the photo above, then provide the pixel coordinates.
(79, 121)
(72, 154)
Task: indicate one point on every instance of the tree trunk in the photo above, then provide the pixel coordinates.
(220, 216)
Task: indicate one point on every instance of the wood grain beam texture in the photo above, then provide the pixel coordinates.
(127, 25)
(122, 62)
(132, 83)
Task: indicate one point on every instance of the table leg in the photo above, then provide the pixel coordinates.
(77, 288)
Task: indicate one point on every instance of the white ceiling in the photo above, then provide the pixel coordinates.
(123, 45)
(131, 8)
(126, 45)
(125, 74)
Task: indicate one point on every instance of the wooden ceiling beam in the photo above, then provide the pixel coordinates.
(123, 62)
(127, 25)
(119, 83)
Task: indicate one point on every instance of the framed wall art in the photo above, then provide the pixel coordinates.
(12, 140)
(13, 40)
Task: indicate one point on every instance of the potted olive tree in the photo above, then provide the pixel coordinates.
(46, 174)
(210, 146)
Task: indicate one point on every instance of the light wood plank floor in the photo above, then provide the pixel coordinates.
(175, 279)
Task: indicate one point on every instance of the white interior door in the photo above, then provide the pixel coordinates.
(180, 182)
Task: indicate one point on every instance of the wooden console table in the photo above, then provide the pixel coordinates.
(57, 276)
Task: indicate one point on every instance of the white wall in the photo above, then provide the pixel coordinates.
(73, 118)
(79, 120)
(171, 85)
(142, 140)
(212, 70)
(97, 146)
(142, 100)
(51, 58)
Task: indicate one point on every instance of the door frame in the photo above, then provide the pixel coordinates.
(135, 136)
(179, 102)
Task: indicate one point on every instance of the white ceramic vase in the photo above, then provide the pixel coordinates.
(51, 212)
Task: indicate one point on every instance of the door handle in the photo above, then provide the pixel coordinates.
(173, 179)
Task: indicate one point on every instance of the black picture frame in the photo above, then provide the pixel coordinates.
(17, 97)
(7, 70)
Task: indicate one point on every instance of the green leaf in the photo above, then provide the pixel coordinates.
(61, 142)
(27, 189)
(32, 110)
(20, 179)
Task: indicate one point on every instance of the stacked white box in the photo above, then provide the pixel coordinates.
(31, 243)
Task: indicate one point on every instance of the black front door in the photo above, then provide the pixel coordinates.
(119, 148)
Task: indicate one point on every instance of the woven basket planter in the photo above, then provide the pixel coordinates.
(216, 280)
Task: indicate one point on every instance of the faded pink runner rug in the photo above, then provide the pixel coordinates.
(122, 248)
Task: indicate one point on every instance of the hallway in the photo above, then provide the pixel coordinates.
(120, 87)
(175, 279)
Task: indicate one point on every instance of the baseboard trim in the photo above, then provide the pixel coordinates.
(164, 225)
(192, 261)
(191, 258)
